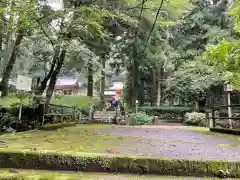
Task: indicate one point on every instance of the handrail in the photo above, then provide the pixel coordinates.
(222, 106)
(59, 105)
(58, 110)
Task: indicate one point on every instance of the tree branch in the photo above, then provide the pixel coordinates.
(43, 30)
(138, 6)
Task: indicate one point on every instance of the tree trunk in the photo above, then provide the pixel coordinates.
(161, 85)
(128, 87)
(53, 78)
(196, 106)
(141, 94)
(154, 88)
(90, 79)
(134, 85)
(43, 84)
(102, 85)
(1, 60)
(8, 70)
(159, 82)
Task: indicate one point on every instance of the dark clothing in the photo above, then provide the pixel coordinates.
(114, 103)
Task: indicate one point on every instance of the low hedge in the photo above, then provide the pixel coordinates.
(166, 112)
(226, 130)
(169, 112)
(56, 126)
(124, 164)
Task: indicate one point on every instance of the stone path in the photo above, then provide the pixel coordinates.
(174, 143)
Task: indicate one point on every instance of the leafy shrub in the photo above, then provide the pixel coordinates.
(129, 164)
(6, 119)
(140, 118)
(85, 111)
(195, 119)
(168, 112)
(127, 108)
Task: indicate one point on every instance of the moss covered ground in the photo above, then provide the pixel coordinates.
(84, 139)
(51, 175)
(69, 140)
(81, 146)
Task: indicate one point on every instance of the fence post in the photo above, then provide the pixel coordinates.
(213, 117)
(62, 115)
(79, 117)
(74, 114)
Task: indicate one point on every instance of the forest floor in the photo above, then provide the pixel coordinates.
(172, 142)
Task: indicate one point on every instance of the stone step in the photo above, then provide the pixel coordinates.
(105, 112)
(106, 120)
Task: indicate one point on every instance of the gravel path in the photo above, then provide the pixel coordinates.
(174, 143)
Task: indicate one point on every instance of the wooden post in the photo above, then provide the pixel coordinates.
(229, 109)
(74, 114)
(42, 108)
(20, 110)
(213, 117)
(79, 117)
(62, 115)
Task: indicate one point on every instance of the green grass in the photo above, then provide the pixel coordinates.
(10, 100)
(77, 101)
(69, 140)
(48, 175)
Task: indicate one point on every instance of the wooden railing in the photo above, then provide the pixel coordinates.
(61, 113)
(221, 113)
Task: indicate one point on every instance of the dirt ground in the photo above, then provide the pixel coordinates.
(174, 142)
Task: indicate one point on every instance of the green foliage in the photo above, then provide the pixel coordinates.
(167, 112)
(225, 58)
(92, 19)
(140, 118)
(6, 119)
(236, 14)
(178, 109)
(132, 164)
(195, 119)
(76, 101)
(192, 80)
(202, 26)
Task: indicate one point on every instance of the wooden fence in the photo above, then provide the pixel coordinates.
(61, 113)
(220, 113)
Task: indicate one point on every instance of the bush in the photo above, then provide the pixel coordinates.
(85, 111)
(170, 113)
(6, 119)
(195, 119)
(125, 164)
(140, 118)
